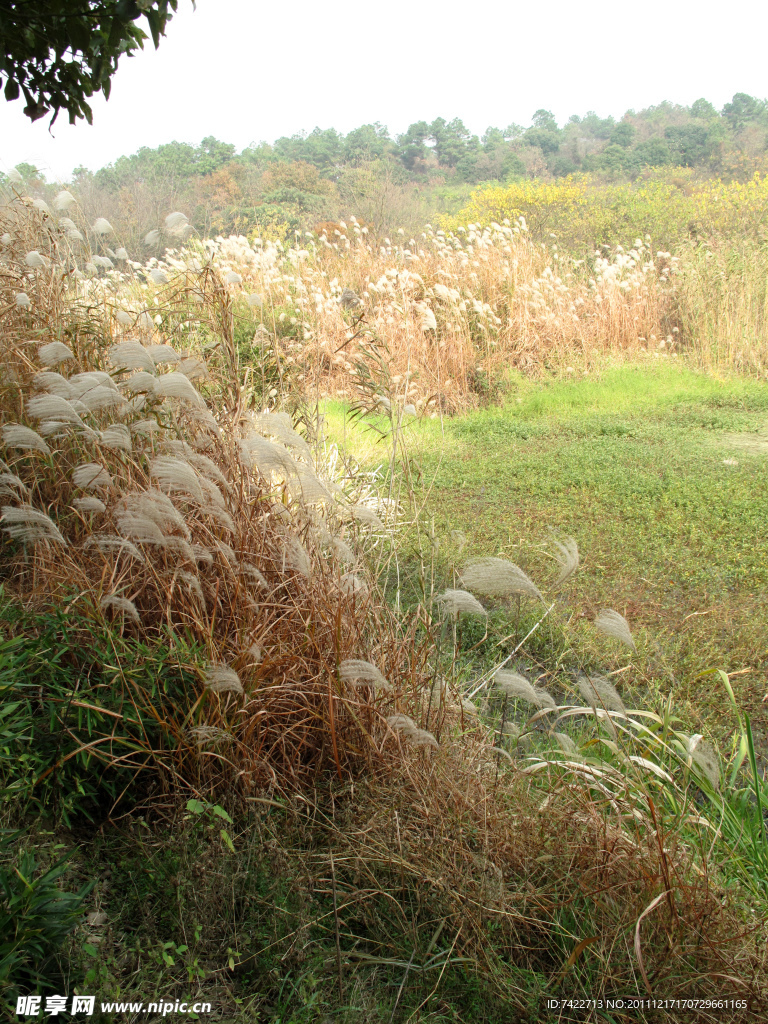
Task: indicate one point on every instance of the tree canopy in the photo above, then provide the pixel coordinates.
(58, 53)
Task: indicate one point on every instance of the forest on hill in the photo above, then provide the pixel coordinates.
(404, 180)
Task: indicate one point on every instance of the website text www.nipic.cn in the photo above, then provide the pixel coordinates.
(52, 1006)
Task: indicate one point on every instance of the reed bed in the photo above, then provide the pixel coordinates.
(153, 488)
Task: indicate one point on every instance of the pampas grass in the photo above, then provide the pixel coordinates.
(498, 577)
(53, 407)
(117, 437)
(597, 691)
(130, 355)
(176, 385)
(29, 525)
(568, 557)
(91, 474)
(295, 556)
(53, 383)
(17, 436)
(611, 623)
(512, 684)
(89, 503)
(455, 602)
(704, 757)
(163, 354)
(141, 383)
(174, 474)
(406, 727)
(121, 605)
(223, 679)
(357, 672)
(12, 486)
(54, 353)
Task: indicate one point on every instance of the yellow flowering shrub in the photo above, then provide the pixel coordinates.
(584, 213)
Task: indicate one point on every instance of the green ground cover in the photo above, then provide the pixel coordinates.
(658, 472)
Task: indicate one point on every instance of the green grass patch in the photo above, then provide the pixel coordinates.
(642, 465)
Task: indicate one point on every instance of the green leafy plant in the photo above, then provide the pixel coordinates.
(36, 916)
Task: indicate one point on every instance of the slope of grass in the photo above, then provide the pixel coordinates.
(643, 465)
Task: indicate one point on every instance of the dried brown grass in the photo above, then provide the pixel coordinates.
(453, 311)
(219, 567)
(445, 841)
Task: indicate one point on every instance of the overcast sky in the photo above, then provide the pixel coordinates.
(246, 71)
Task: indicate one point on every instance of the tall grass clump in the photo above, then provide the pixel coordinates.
(721, 303)
(146, 494)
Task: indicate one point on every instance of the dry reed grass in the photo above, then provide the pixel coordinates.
(181, 513)
(159, 511)
(452, 311)
(461, 848)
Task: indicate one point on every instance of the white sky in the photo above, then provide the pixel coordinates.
(244, 70)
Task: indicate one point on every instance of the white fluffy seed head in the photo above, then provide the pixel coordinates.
(53, 407)
(597, 691)
(17, 436)
(139, 528)
(223, 679)
(91, 474)
(568, 556)
(176, 475)
(279, 426)
(703, 757)
(253, 574)
(82, 383)
(176, 385)
(116, 436)
(514, 685)
(455, 602)
(152, 237)
(407, 728)
(89, 503)
(498, 577)
(101, 226)
(34, 260)
(163, 354)
(295, 556)
(11, 485)
(106, 542)
(613, 624)
(352, 585)
(564, 741)
(54, 353)
(176, 222)
(53, 383)
(266, 456)
(121, 606)
(159, 508)
(209, 734)
(101, 397)
(64, 200)
(203, 555)
(29, 525)
(140, 383)
(366, 516)
(130, 355)
(362, 673)
(194, 368)
(401, 723)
